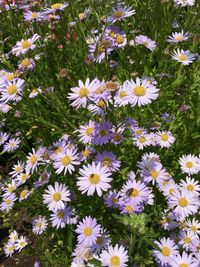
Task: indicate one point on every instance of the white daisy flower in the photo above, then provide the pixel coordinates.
(141, 92)
(34, 159)
(21, 243)
(183, 203)
(80, 95)
(164, 138)
(190, 164)
(65, 161)
(186, 239)
(23, 46)
(56, 196)
(193, 226)
(13, 236)
(85, 132)
(178, 37)
(24, 194)
(183, 56)
(10, 188)
(142, 141)
(94, 177)
(17, 169)
(39, 225)
(32, 16)
(22, 178)
(166, 251)
(184, 260)
(184, 3)
(190, 185)
(114, 256)
(9, 249)
(12, 91)
(122, 97)
(11, 145)
(55, 7)
(144, 40)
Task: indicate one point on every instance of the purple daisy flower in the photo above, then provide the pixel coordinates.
(112, 199)
(88, 230)
(61, 217)
(102, 133)
(129, 206)
(107, 158)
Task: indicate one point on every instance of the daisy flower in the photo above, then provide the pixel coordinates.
(85, 132)
(184, 3)
(8, 202)
(193, 226)
(9, 249)
(13, 236)
(56, 196)
(32, 16)
(107, 158)
(101, 243)
(65, 161)
(115, 256)
(57, 6)
(88, 230)
(9, 188)
(142, 141)
(164, 138)
(141, 92)
(39, 225)
(177, 37)
(112, 199)
(3, 138)
(34, 159)
(183, 203)
(121, 98)
(94, 177)
(80, 95)
(17, 169)
(156, 173)
(24, 194)
(144, 40)
(190, 164)
(129, 206)
(61, 217)
(190, 185)
(21, 243)
(26, 64)
(184, 260)
(120, 13)
(22, 178)
(183, 56)
(102, 133)
(186, 239)
(166, 251)
(12, 91)
(23, 46)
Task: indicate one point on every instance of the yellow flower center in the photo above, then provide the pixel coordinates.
(25, 63)
(190, 187)
(89, 131)
(138, 132)
(115, 261)
(116, 137)
(193, 228)
(25, 44)
(34, 15)
(8, 201)
(141, 140)
(22, 243)
(66, 160)
(23, 194)
(154, 174)
(139, 90)
(10, 248)
(11, 89)
(86, 153)
(187, 240)
(56, 6)
(118, 14)
(83, 92)
(135, 192)
(120, 39)
(171, 191)
(114, 200)
(57, 150)
(129, 208)
(10, 77)
(18, 169)
(165, 251)
(94, 178)
(60, 215)
(33, 159)
(12, 144)
(102, 132)
(11, 189)
(101, 103)
(122, 94)
(179, 37)
(164, 137)
(112, 34)
(182, 57)
(189, 164)
(39, 224)
(87, 231)
(99, 240)
(24, 177)
(81, 16)
(56, 196)
(183, 202)
(183, 265)
(107, 162)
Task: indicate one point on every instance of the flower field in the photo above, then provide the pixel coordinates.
(100, 133)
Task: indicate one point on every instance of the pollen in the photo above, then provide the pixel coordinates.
(182, 57)
(165, 251)
(87, 231)
(66, 160)
(189, 164)
(83, 92)
(164, 137)
(56, 196)
(11, 89)
(135, 192)
(118, 14)
(25, 44)
(183, 202)
(56, 6)
(94, 178)
(89, 131)
(139, 90)
(115, 261)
